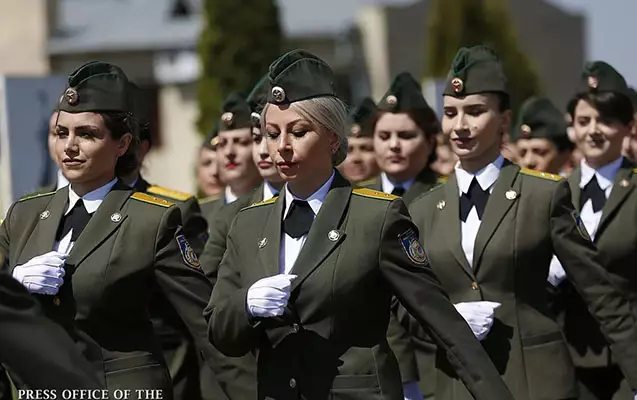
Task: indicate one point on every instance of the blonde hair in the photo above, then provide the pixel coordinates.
(326, 114)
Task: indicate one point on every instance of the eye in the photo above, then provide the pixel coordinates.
(257, 139)
(450, 113)
(272, 134)
(299, 134)
(383, 135)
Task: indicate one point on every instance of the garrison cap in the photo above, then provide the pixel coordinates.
(299, 75)
(97, 87)
(404, 94)
(236, 113)
(257, 99)
(361, 118)
(475, 70)
(599, 76)
(538, 118)
(141, 111)
(632, 94)
(211, 140)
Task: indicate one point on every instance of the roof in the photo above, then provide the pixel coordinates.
(129, 25)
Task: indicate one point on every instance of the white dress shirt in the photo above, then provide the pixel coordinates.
(486, 178)
(268, 191)
(92, 201)
(229, 196)
(388, 185)
(290, 247)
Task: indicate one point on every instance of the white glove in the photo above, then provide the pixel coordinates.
(269, 296)
(42, 274)
(479, 315)
(411, 391)
(556, 272)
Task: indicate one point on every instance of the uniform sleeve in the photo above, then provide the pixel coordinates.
(581, 262)
(195, 225)
(216, 245)
(406, 268)
(4, 238)
(25, 334)
(399, 340)
(230, 328)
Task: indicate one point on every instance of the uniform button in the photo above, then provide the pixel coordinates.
(474, 285)
(56, 301)
(292, 383)
(295, 327)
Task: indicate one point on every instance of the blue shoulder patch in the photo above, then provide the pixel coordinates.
(413, 248)
(580, 225)
(187, 253)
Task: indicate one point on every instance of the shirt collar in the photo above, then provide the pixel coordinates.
(486, 176)
(605, 175)
(388, 185)
(61, 181)
(315, 200)
(92, 200)
(268, 191)
(229, 196)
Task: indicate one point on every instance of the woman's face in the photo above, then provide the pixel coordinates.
(445, 160)
(296, 147)
(541, 154)
(208, 172)
(360, 163)
(262, 159)
(85, 149)
(599, 139)
(401, 148)
(474, 126)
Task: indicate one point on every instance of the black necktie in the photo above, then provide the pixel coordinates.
(299, 219)
(398, 191)
(76, 219)
(595, 193)
(475, 198)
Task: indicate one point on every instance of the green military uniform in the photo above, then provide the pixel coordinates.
(616, 241)
(131, 249)
(361, 249)
(528, 218)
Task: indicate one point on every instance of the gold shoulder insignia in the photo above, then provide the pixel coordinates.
(261, 203)
(374, 194)
(35, 196)
(544, 175)
(634, 170)
(171, 194)
(146, 198)
(367, 182)
(209, 199)
(442, 179)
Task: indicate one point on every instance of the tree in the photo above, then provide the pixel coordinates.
(458, 23)
(239, 40)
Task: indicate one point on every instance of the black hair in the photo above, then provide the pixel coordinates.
(612, 106)
(119, 124)
(504, 101)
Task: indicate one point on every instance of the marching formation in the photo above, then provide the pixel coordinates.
(338, 252)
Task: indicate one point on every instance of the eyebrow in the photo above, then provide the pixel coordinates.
(83, 127)
(296, 121)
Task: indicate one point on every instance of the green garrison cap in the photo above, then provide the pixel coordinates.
(211, 140)
(599, 76)
(97, 86)
(404, 94)
(236, 113)
(633, 97)
(538, 118)
(141, 110)
(361, 118)
(257, 99)
(299, 75)
(475, 70)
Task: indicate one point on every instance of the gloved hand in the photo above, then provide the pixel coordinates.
(556, 272)
(42, 274)
(479, 315)
(411, 391)
(269, 296)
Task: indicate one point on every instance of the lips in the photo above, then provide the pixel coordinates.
(395, 159)
(71, 162)
(231, 166)
(284, 165)
(265, 164)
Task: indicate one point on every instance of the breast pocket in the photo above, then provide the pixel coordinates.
(356, 387)
(137, 371)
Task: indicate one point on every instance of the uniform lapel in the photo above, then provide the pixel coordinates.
(576, 191)
(497, 207)
(43, 237)
(102, 224)
(425, 180)
(622, 186)
(451, 224)
(269, 243)
(321, 240)
(141, 185)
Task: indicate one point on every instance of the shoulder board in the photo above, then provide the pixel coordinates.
(367, 182)
(146, 198)
(35, 196)
(209, 199)
(544, 175)
(374, 194)
(171, 194)
(634, 170)
(261, 203)
(442, 179)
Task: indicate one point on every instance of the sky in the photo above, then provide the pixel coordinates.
(611, 32)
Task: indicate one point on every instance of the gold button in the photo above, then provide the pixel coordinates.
(56, 301)
(474, 285)
(292, 383)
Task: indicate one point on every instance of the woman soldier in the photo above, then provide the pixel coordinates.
(603, 191)
(307, 277)
(541, 139)
(360, 163)
(495, 272)
(404, 141)
(95, 251)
